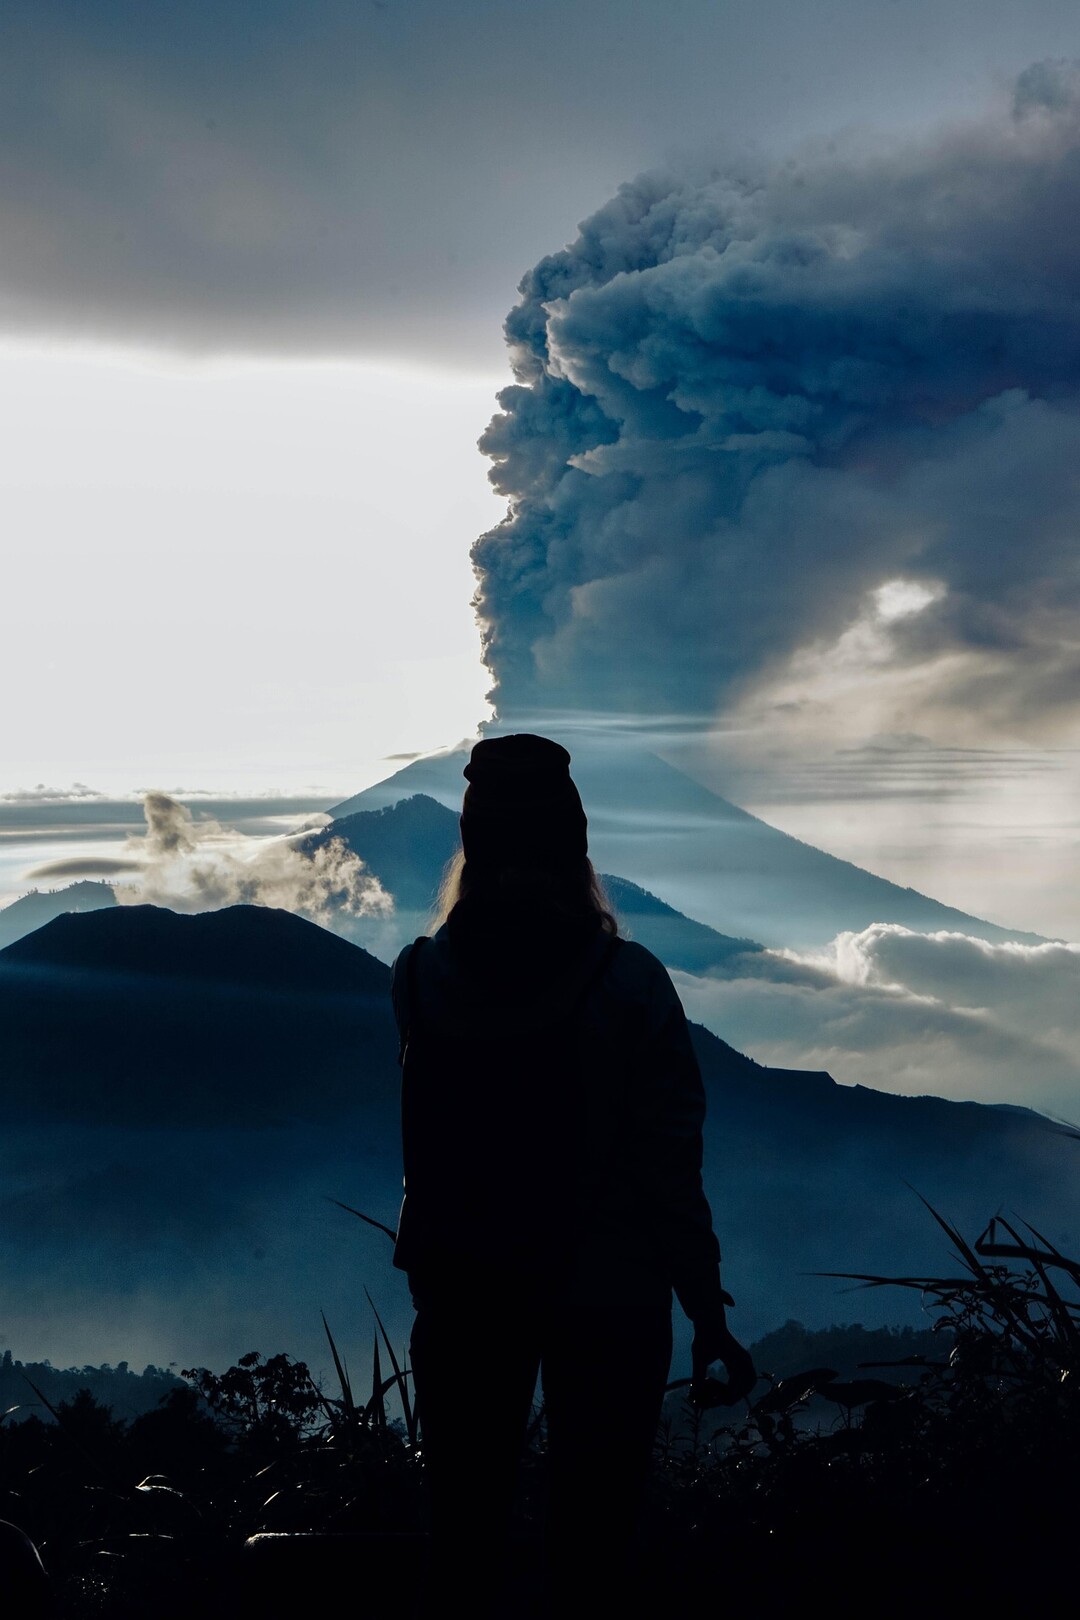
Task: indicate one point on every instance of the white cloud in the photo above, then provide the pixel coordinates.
(40, 794)
(915, 1013)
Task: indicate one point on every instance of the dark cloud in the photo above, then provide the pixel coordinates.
(89, 866)
(277, 176)
(274, 175)
(750, 397)
(220, 179)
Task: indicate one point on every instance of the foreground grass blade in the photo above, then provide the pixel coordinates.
(370, 1219)
(406, 1404)
(343, 1374)
(376, 1412)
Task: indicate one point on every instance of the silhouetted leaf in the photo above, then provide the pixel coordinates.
(861, 1390)
(788, 1392)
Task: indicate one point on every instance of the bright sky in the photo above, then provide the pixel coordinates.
(236, 575)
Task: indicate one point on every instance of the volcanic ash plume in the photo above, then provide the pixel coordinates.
(751, 400)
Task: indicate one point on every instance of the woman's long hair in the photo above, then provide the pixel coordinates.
(572, 891)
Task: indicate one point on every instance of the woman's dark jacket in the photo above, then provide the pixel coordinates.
(552, 1112)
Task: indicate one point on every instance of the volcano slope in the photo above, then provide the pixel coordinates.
(656, 826)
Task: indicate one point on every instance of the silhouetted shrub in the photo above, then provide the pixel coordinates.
(954, 1482)
(944, 1473)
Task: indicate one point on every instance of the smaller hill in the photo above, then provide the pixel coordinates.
(39, 907)
(244, 1016)
(253, 946)
(126, 1394)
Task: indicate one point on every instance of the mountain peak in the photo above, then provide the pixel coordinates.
(710, 859)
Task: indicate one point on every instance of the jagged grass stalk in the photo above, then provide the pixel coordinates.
(1017, 1312)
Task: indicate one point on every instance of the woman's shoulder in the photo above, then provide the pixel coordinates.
(423, 945)
(637, 1001)
(402, 977)
(401, 960)
(400, 964)
(637, 971)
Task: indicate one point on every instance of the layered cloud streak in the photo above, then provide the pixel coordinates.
(774, 419)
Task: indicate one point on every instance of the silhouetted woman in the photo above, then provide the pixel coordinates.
(552, 1110)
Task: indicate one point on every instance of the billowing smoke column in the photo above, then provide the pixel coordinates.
(749, 399)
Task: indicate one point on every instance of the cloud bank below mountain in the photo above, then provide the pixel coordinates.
(942, 1014)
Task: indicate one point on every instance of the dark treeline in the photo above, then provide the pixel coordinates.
(844, 1346)
(127, 1394)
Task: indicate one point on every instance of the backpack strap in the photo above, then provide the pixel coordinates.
(408, 997)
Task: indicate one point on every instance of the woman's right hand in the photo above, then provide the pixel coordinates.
(713, 1341)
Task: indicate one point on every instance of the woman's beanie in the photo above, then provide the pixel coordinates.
(521, 804)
